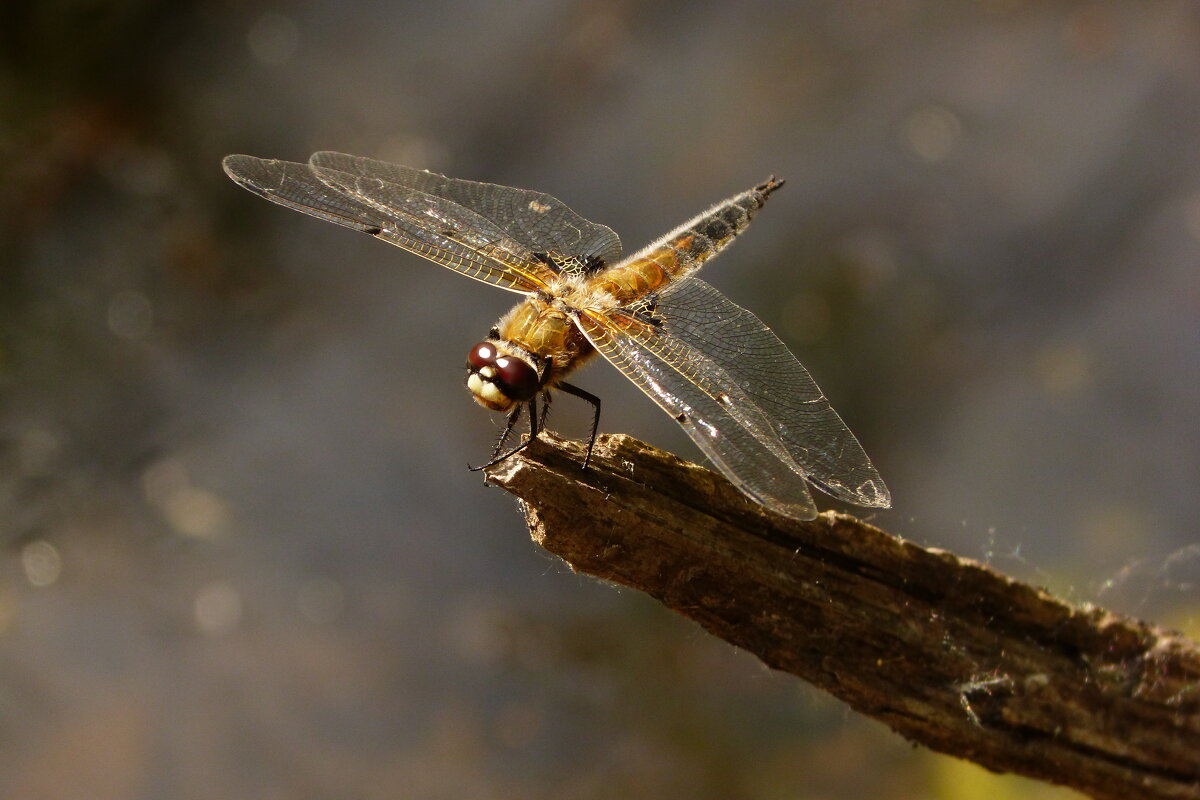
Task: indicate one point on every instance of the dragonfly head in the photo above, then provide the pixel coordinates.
(499, 378)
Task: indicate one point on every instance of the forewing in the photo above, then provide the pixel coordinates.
(431, 227)
(538, 221)
(757, 407)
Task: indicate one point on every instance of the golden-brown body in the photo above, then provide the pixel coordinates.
(542, 326)
(713, 366)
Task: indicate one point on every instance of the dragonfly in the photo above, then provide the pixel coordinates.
(713, 366)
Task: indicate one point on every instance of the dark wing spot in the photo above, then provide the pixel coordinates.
(651, 301)
(643, 310)
(374, 230)
(648, 317)
(549, 261)
(683, 419)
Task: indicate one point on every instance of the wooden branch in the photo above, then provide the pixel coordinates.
(946, 651)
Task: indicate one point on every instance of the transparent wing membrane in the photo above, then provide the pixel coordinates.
(741, 396)
(434, 228)
(538, 221)
(752, 465)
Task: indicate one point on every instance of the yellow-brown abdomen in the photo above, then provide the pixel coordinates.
(635, 279)
(684, 249)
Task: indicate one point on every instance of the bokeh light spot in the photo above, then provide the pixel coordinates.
(1063, 368)
(41, 562)
(196, 512)
(931, 133)
(188, 509)
(217, 608)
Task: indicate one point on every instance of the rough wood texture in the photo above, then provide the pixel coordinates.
(944, 650)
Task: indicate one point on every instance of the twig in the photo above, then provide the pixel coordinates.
(946, 651)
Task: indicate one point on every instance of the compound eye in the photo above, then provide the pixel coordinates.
(517, 379)
(482, 355)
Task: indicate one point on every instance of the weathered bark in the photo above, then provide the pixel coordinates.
(946, 651)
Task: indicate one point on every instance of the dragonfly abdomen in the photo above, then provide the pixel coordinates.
(685, 249)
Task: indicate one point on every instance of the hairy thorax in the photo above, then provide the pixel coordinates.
(543, 327)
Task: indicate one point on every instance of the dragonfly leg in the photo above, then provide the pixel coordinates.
(545, 410)
(510, 423)
(595, 403)
(534, 426)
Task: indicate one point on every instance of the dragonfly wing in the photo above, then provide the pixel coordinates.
(431, 227)
(538, 221)
(736, 342)
(713, 356)
(760, 470)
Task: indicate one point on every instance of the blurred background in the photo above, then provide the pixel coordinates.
(240, 552)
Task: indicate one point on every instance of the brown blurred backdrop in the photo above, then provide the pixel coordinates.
(241, 554)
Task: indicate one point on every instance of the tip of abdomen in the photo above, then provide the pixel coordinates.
(771, 184)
